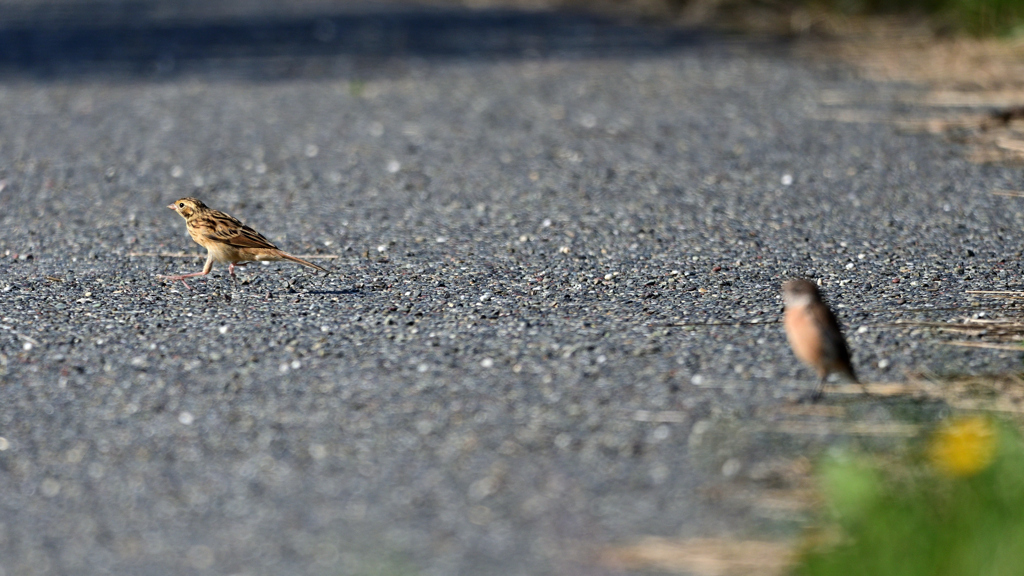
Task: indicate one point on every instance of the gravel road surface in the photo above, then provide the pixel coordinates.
(552, 323)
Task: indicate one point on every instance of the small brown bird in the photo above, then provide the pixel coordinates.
(226, 239)
(814, 333)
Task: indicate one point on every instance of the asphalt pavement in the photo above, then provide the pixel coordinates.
(556, 244)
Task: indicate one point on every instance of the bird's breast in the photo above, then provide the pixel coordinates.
(803, 334)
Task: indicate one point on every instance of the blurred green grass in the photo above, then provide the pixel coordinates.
(955, 508)
(974, 17)
(977, 17)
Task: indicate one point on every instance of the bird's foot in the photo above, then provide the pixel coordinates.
(173, 278)
(180, 278)
(811, 397)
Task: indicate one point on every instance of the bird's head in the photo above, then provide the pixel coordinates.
(799, 293)
(187, 206)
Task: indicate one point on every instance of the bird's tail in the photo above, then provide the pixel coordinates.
(298, 260)
(852, 377)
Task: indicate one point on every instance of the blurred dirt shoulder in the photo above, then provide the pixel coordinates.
(970, 90)
(888, 49)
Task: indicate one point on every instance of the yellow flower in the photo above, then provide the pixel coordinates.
(963, 447)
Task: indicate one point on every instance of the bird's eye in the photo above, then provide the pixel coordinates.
(181, 204)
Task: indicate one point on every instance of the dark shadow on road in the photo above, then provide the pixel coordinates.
(143, 40)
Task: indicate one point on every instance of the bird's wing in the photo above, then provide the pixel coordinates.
(219, 227)
(833, 343)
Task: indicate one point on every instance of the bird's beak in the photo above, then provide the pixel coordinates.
(172, 207)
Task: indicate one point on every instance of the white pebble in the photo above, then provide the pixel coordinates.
(223, 329)
(731, 467)
(394, 166)
(487, 362)
(49, 487)
(186, 418)
(562, 441)
(787, 179)
(26, 346)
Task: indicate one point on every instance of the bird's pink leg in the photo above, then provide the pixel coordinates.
(206, 270)
(232, 266)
